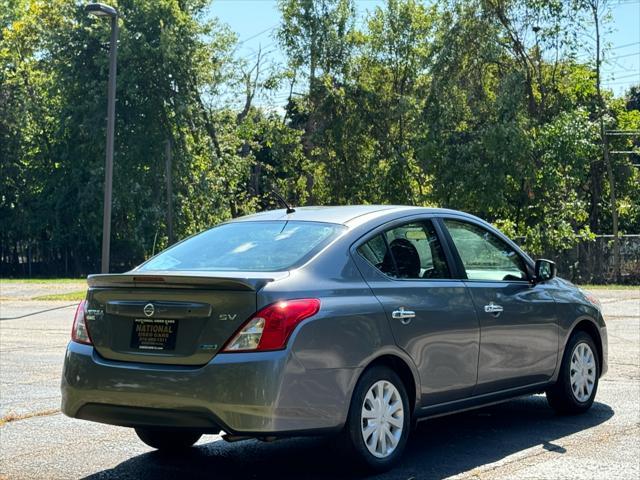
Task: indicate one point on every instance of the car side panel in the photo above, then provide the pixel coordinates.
(573, 308)
(518, 347)
(350, 331)
(443, 338)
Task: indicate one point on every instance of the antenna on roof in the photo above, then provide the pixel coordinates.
(282, 201)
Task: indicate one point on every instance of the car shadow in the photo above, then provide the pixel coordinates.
(438, 448)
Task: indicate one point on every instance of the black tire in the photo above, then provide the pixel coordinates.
(352, 435)
(561, 396)
(168, 440)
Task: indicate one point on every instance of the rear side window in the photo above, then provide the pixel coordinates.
(377, 252)
(247, 246)
(410, 251)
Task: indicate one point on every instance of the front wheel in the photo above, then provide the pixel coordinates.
(379, 419)
(577, 383)
(168, 440)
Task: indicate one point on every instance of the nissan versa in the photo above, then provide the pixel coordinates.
(357, 320)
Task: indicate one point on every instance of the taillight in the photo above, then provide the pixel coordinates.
(79, 331)
(270, 328)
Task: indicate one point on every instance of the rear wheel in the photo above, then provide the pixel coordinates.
(379, 419)
(168, 440)
(577, 383)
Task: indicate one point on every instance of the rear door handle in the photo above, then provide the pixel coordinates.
(403, 315)
(493, 308)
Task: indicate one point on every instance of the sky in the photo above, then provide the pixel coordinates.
(255, 23)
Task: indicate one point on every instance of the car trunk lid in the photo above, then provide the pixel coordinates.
(174, 319)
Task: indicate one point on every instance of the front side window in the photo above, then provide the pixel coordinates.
(484, 255)
(410, 251)
(247, 246)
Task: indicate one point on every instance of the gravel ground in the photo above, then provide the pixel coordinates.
(520, 439)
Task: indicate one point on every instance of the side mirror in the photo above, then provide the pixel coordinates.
(544, 270)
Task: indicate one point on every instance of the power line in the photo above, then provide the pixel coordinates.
(617, 47)
(615, 73)
(625, 45)
(627, 76)
(258, 34)
(619, 84)
(622, 67)
(624, 56)
(262, 51)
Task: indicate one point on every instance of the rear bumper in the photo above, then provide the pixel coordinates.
(243, 393)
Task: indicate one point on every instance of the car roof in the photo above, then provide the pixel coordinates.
(350, 215)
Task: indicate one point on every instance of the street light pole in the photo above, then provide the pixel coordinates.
(101, 10)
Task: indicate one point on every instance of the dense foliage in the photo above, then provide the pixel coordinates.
(489, 106)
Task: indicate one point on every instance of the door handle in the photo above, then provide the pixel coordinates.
(493, 308)
(403, 315)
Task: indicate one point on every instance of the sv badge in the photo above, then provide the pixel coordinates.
(227, 316)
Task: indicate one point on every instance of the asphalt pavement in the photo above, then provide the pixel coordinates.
(520, 439)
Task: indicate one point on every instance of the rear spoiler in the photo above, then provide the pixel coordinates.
(203, 280)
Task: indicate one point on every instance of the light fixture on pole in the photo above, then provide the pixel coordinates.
(102, 10)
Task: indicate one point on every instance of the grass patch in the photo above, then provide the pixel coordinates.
(69, 296)
(610, 287)
(43, 280)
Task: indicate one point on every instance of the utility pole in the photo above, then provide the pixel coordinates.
(101, 10)
(168, 178)
(597, 7)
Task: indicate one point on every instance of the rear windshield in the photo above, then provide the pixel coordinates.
(247, 246)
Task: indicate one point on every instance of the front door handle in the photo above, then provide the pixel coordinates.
(493, 308)
(403, 315)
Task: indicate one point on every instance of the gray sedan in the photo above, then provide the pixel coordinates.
(356, 321)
